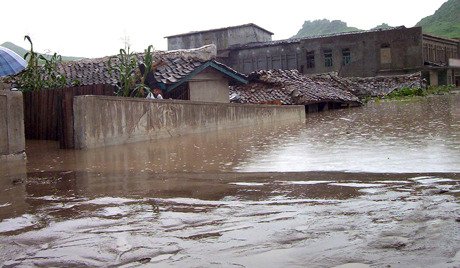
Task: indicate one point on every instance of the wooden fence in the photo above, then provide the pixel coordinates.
(48, 114)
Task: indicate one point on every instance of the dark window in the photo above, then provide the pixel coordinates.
(346, 56)
(425, 52)
(328, 58)
(310, 59)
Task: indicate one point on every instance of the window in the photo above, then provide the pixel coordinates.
(385, 54)
(310, 59)
(346, 56)
(425, 52)
(328, 58)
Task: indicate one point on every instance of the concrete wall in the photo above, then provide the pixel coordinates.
(209, 86)
(4, 86)
(101, 120)
(402, 50)
(12, 141)
(222, 38)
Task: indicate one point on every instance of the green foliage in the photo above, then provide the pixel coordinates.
(126, 66)
(141, 88)
(414, 92)
(382, 26)
(444, 22)
(41, 73)
(323, 27)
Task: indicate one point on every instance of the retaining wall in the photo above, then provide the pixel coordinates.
(12, 140)
(102, 121)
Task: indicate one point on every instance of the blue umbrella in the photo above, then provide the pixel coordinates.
(10, 62)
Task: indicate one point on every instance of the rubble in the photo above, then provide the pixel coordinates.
(378, 86)
(290, 87)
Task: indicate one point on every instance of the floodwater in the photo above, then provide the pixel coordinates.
(377, 186)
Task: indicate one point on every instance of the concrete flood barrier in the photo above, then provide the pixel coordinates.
(12, 140)
(102, 121)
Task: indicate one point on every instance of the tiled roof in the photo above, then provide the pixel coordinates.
(96, 71)
(170, 67)
(289, 87)
(298, 40)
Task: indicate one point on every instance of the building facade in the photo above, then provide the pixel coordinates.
(392, 51)
(223, 38)
(441, 60)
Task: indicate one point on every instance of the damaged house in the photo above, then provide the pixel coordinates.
(290, 87)
(183, 74)
(380, 52)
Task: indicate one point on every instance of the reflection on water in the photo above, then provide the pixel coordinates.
(246, 220)
(416, 136)
(177, 202)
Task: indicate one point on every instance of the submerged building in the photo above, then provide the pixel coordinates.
(400, 50)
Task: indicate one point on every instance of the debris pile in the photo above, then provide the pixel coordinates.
(289, 87)
(373, 86)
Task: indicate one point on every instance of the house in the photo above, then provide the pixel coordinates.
(223, 38)
(379, 52)
(183, 74)
(290, 87)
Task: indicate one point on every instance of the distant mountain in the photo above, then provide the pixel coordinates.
(21, 51)
(323, 27)
(382, 26)
(445, 21)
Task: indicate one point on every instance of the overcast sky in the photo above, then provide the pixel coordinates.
(93, 28)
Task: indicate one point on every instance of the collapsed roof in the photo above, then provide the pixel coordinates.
(290, 87)
(378, 86)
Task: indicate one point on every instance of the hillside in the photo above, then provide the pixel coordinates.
(21, 51)
(445, 21)
(323, 27)
(382, 26)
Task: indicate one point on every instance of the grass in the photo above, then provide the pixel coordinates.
(409, 93)
(405, 93)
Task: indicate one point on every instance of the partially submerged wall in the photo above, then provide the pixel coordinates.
(12, 141)
(102, 121)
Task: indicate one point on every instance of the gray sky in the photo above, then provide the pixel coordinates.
(93, 28)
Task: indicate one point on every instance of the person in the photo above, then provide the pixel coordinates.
(158, 93)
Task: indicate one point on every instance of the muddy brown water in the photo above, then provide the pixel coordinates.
(375, 186)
